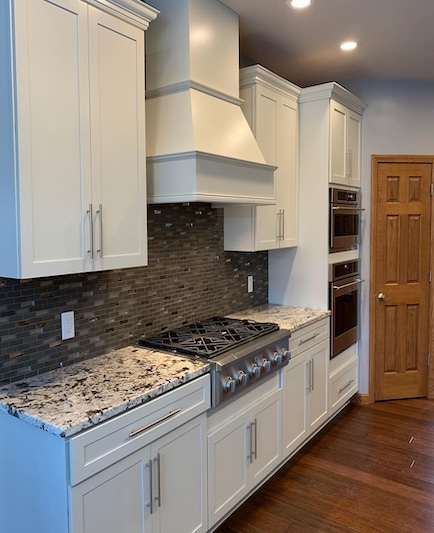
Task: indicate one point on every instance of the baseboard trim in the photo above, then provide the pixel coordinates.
(361, 399)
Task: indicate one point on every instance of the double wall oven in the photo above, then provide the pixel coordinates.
(344, 293)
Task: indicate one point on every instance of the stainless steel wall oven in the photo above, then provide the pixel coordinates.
(344, 305)
(345, 213)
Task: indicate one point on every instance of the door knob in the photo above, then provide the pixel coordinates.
(381, 297)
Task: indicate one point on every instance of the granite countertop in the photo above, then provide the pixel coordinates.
(68, 400)
(288, 317)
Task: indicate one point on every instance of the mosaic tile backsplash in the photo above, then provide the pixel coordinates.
(189, 277)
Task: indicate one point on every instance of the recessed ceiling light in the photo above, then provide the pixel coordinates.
(299, 4)
(349, 45)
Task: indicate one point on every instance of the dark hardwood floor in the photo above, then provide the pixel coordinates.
(370, 470)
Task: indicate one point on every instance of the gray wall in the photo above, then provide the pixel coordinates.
(399, 119)
(189, 278)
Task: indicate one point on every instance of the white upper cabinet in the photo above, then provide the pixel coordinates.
(336, 115)
(271, 108)
(73, 191)
(345, 140)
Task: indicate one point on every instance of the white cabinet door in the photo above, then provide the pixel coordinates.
(345, 139)
(242, 452)
(354, 123)
(228, 481)
(318, 357)
(338, 142)
(180, 479)
(118, 141)
(266, 119)
(287, 174)
(266, 433)
(295, 429)
(53, 144)
(114, 500)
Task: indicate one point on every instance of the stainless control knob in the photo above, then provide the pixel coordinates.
(266, 364)
(255, 371)
(241, 378)
(285, 353)
(276, 358)
(228, 384)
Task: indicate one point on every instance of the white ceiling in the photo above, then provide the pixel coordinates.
(396, 39)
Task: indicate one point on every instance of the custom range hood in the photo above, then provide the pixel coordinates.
(200, 147)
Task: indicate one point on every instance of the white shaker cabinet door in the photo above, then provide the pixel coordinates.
(180, 479)
(116, 499)
(53, 145)
(295, 429)
(267, 444)
(338, 143)
(228, 479)
(318, 385)
(117, 102)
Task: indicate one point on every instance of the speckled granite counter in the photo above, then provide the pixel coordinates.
(288, 317)
(68, 400)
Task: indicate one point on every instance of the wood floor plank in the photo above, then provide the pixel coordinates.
(370, 470)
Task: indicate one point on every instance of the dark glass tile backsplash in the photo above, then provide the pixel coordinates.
(189, 277)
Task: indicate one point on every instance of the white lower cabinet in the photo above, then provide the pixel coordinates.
(143, 471)
(305, 385)
(160, 488)
(244, 446)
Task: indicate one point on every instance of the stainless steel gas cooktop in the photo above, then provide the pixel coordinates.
(240, 352)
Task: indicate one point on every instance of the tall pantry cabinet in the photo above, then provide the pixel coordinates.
(330, 141)
(271, 109)
(72, 136)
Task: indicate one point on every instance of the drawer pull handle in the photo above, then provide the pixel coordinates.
(346, 386)
(302, 341)
(155, 423)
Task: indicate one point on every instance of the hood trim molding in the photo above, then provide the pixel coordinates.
(191, 84)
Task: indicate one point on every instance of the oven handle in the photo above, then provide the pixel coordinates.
(345, 208)
(355, 282)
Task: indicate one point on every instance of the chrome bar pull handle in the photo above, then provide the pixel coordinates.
(309, 375)
(250, 456)
(346, 386)
(135, 432)
(283, 224)
(90, 212)
(158, 497)
(312, 372)
(310, 338)
(99, 213)
(255, 423)
(151, 498)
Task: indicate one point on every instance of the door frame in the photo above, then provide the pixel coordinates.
(375, 159)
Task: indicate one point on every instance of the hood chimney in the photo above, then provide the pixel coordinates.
(200, 147)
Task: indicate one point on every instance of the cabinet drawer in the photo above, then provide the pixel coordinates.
(304, 338)
(343, 386)
(101, 446)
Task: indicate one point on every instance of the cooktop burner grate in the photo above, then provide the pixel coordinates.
(210, 337)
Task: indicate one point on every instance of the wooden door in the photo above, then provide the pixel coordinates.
(400, 270)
